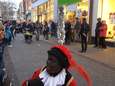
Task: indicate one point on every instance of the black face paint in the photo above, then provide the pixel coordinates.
(53, 67)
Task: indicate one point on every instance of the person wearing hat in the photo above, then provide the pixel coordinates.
(97, 32)
(56, 72)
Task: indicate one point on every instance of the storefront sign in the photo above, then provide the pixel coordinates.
(71, 7)
(38, 2)
(67, 2)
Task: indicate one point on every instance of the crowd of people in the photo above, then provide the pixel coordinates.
(76, 31)
(45, 28)
(56, 71)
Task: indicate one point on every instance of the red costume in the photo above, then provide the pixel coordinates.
(73, 65)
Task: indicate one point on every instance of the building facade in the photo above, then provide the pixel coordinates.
(21, 11)
(46, 10)
(104, 9)
(27, 5)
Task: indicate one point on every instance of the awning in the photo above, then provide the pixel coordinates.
(38, 2)
(66, 2)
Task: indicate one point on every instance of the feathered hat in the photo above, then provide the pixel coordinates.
(72, 63)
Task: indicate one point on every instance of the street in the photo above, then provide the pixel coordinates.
(22, 59)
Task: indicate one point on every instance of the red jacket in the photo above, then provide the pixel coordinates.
(35, 75)
(103, 30)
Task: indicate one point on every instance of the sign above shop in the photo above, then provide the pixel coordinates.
(38, 2)
(71, 7)
(67, 2)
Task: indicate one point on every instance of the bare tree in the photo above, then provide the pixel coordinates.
(7, 10)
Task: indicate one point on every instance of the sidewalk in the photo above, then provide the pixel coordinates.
(102, 56)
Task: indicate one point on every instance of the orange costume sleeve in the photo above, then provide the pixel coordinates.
(34, 76)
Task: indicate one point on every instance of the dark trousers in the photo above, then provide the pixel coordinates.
(84, 43)
(1, 55)
(67, 37)
(96, 40)
(102, 42)
(8, 41)
(45, 33)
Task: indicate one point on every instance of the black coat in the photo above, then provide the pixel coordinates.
(67, 26)
(84, 28)
(98, 25)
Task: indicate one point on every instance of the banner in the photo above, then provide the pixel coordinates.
(38, 2)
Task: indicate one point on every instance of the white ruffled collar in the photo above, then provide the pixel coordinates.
(48, 80)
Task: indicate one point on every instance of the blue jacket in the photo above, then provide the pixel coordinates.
(8, 33)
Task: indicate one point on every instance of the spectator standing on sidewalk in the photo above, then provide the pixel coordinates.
(56, 72)
(45, 30)
(77, 27)
(83, 33)
(53, 27)
(98, 25)
(102, 34)
(67, 32)
(73, 31)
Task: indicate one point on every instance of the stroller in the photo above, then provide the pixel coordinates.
(28, 36)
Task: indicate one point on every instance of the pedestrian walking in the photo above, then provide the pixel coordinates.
(8, 34)
(98, 25)
(83, 33)
(103, 32)
(56, 72)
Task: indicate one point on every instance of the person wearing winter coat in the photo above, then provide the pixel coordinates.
(98, 25)
(1, 32)
(1, 45)
(56, 72)
(102, 34)
(8, 34)
(46, 30)
(83, 34)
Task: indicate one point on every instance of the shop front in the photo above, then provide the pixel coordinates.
(107, 12)
(78, 9)
(105, 9)
(34, 14)
(47, 10)
(39, 8)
